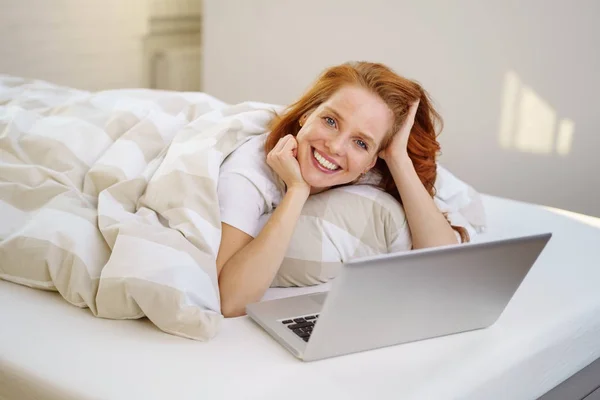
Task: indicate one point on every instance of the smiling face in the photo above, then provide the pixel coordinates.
(340, 139)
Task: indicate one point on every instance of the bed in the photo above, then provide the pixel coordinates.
(87, 213)
(549, 331)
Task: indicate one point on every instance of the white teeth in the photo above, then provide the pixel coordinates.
(324, 162)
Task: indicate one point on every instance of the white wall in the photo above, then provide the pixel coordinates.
(91, 44)
(174, 8)
(523, 68)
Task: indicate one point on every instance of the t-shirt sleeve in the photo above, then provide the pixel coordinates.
(241, 203)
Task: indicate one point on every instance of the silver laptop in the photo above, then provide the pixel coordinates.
(397, 298)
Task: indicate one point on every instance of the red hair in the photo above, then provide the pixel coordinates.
(398, 93)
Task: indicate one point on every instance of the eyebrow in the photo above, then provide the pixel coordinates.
(339, 116)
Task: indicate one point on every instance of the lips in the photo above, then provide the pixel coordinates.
(331, 160)
(321, 167)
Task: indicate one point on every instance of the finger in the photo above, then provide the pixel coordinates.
(290, 144)
(409, 121)
(294, 146)
(287, 148)
(278, 146)
(412, 110)
(281, 143)
(285, 145)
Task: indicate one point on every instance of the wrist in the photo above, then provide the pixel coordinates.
(298, 191)
(401, 160)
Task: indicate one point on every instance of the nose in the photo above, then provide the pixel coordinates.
(337, 144)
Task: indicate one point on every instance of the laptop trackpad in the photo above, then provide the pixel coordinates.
(319, 298)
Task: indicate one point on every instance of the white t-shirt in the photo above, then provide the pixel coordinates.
(248, 188)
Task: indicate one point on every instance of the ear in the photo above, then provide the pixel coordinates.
(304, 117)
(372, 164)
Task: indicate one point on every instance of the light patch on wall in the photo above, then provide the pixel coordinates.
(535, 124)
(512, 83)
(565, 136)
(528, 122)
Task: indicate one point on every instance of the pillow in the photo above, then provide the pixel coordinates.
(362, 220)
(461, 202)
(338, 225)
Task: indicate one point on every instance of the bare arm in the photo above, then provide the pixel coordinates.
(246, 276)
(428, 226)
(246, 267)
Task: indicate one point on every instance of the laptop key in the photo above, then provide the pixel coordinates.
(310, 317)
(301, 334)
(305, 339)
(299, 320)
(302, 325)
(287, 321)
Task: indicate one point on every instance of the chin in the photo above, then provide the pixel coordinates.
(316, 184)
(320, 185)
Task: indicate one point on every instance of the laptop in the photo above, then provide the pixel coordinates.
(397, 298)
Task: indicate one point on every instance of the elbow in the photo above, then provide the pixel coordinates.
(235, 298)
(232, 311)
(230, 308)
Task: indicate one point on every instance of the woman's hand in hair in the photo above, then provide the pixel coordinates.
(282, 159)
(398, 146)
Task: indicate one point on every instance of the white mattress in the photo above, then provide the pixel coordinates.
(550, 330)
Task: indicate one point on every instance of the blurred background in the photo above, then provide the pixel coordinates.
(103, 44)
(515, 81)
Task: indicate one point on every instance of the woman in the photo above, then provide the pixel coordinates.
(357, 117)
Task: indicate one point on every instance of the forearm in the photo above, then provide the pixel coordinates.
(247, 274)
(428, 226)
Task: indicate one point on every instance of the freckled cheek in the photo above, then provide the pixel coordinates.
(304, 134)
(357, 164)
(314, 132)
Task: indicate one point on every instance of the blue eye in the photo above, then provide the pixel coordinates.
(362, 144)
(330, 121)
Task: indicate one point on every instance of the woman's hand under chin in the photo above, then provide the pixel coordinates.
(282, 159)
(397, 149)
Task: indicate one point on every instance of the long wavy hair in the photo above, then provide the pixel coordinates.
(398, 93)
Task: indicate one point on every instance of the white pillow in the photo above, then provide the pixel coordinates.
(361, 220)
(338, 225)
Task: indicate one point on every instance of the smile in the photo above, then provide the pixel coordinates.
(323, 162)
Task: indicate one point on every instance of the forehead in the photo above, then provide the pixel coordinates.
(363, 110)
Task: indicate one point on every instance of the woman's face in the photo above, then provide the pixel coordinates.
(340, 139)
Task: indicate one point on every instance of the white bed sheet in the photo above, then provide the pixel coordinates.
(549, 331)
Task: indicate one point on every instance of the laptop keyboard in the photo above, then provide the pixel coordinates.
(302, 326)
